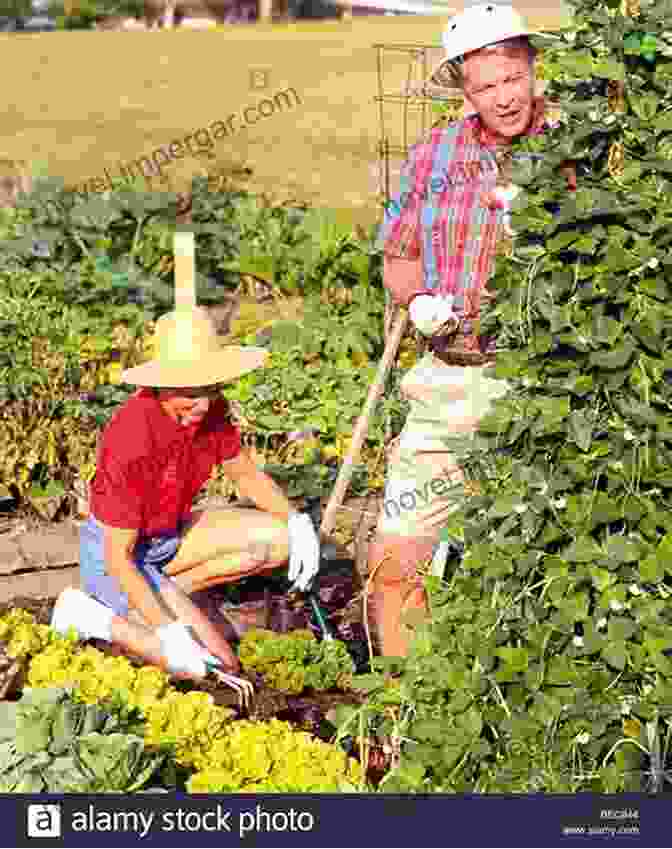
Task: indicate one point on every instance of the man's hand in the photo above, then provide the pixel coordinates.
(304, 551)
(429, 313)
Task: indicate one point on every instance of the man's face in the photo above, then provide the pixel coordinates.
(499, 84)
(187, 406)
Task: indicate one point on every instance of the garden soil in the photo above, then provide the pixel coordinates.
(153, 88)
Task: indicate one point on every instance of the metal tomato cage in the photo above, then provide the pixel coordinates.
(409, 107)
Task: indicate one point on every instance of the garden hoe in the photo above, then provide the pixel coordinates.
(362, 426)
(347, 468)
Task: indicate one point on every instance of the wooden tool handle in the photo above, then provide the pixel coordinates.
(361, 428)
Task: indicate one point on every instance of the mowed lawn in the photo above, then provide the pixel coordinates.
(81, 102)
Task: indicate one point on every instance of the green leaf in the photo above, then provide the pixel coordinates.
(610, 69)
(430, 730)
(620, 629)
(560, 672)
(663, 122)
(580, 429)
(616, 655)
(503, 506)
(562, 240)
(368, 683)
(644, 106)
(471, 721)
(517, 659)
(622, 550)
(651, 570)
(582, 550)
(617, 358)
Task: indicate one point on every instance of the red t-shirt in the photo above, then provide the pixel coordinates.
(149, 468)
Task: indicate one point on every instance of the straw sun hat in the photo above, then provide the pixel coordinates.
(188, 352)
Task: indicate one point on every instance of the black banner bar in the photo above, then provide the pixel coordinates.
(167, 820)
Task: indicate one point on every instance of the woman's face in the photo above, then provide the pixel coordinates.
(187, 406)
(500, 86)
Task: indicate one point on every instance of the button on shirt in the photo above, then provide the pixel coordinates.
(150, 468)
(440, 213)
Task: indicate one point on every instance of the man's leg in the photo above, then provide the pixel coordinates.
(444, 402)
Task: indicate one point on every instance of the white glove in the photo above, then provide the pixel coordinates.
(182, 652)
(430, 312)
(506, 194)
(304, 551)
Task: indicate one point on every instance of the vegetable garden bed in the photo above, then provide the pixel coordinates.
(97, 674)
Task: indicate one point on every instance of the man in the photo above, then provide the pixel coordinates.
(439, 247)
(142, 548)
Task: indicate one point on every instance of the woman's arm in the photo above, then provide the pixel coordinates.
(157, 610)
(259, 487)
(119, 563)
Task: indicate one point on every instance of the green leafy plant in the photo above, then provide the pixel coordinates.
(320, 370)
(89, 12)
(295, 661)
(51, 743)
(272, 757)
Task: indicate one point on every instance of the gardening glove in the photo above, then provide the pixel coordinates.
(182, 652)
(304, 551)
(431, 313)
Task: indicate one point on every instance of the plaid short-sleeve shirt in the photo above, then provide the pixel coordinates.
(439, 211)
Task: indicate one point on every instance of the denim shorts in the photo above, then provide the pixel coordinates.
(151, 556)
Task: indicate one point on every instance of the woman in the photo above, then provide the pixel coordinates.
(143, 549)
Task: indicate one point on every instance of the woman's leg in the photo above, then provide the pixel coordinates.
(220, 546)
(225, 545)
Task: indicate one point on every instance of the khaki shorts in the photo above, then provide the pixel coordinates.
(445, 401)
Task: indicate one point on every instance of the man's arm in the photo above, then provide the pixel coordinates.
(403, 278)
(119, 545)
(254, 484)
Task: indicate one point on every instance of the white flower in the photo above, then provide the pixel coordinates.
(646, 689)
(653, 263)
(583, 738)
(634, 589)
(578, 642)
(628, 702)
(610, 119)
(560, 503)
(615, 605)
(544, 488)
(594, 115)
(629, 435)
(602, 623)
(520, 508)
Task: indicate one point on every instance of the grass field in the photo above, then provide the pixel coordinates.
(85, 101)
